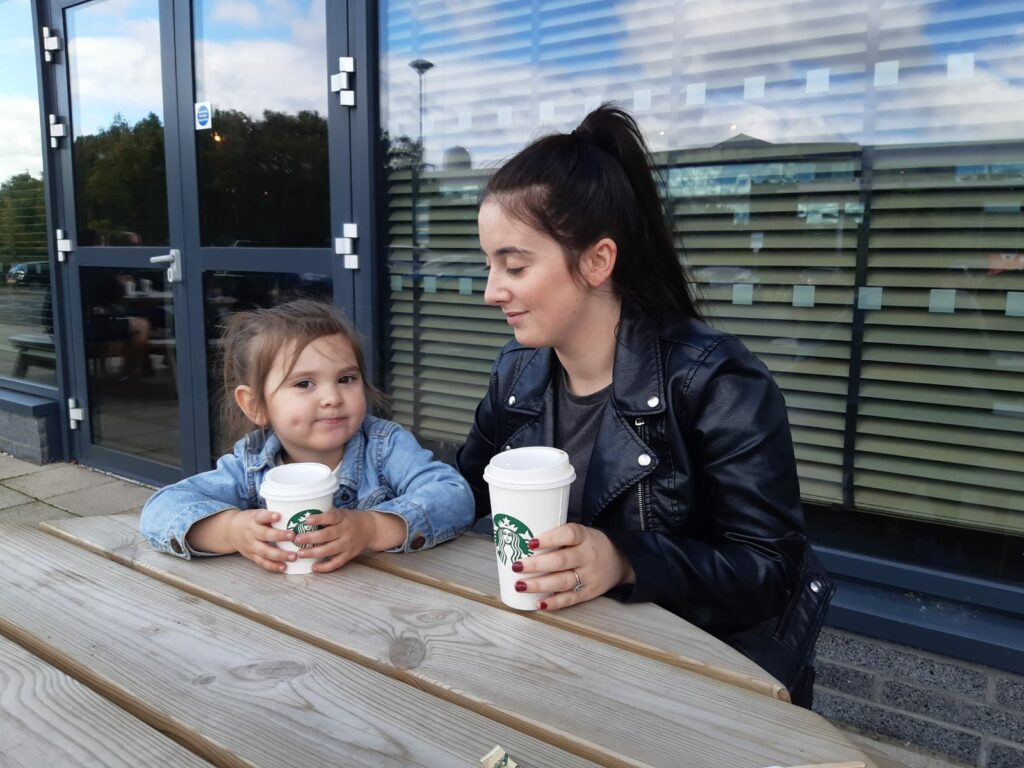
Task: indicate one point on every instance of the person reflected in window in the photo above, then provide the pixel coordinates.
(109, 322)
(686, 492)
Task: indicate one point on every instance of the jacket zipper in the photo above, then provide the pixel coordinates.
(639, 424)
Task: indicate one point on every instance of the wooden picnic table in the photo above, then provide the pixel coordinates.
(113, 654)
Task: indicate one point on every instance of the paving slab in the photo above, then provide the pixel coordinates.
(57, 480)
(12, 467)
(11, 498)
(35, 512)
(110, 498)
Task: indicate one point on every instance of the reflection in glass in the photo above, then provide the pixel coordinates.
(26, 311)
(228, 292)
(117, 123)
(131, 362)
(845, 190)
(262, 160)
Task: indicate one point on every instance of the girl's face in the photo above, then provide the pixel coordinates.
(320, 404)
(530, 281)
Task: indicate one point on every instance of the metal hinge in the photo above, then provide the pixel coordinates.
(57, 131)
(51, 42)
(63, 245)
(341, 83)
(76, 415)
(346, 245)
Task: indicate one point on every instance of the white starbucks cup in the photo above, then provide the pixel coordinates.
(529, 489)
(296, 491)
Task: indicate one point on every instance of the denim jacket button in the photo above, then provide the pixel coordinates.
(652, 401)
(176, 546)
(417, 541)
(643, 460)
(815, 586)
(511, 399)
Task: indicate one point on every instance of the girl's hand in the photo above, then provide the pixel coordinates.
(251, 534)
(345, 534)
(588, 552)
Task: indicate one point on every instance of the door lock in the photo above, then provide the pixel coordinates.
(173, 259)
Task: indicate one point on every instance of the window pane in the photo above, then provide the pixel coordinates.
(844, 184)
(131, 360)
(26, 310)
(262, 155)
(117, 123)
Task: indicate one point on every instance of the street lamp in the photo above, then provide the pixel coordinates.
(421, 67)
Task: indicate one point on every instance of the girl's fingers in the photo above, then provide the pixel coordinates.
(332, 564)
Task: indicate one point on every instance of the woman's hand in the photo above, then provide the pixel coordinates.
(348, 532)
(586, 551)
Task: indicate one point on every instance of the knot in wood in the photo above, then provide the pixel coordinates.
(407, 652)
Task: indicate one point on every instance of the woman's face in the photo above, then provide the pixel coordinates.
(529, 280)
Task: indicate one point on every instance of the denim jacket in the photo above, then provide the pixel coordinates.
(384, 469)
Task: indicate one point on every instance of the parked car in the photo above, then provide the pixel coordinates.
(29, 273)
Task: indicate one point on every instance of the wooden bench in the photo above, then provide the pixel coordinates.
(33, 349)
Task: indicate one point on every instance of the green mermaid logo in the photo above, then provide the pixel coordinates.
(297, 524)
(510, 537)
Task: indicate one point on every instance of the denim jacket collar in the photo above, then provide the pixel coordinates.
(262, 450)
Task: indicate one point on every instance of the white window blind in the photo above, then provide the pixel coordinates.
(844, 183)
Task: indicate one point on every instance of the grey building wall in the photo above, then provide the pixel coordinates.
(965, 712)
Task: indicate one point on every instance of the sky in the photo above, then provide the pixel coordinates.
(694, 72)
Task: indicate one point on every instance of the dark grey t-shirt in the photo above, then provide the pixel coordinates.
(576, 423)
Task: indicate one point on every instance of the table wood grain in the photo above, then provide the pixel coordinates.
(568, 688)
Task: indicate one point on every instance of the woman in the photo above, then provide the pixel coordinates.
(686, 491)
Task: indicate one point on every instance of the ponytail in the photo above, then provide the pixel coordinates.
(599, 181)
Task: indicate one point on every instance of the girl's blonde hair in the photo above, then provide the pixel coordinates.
(253, 338)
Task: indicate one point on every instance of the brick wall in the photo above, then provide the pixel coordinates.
(965, 712)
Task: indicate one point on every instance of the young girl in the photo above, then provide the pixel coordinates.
(296, 372)
(686, 490)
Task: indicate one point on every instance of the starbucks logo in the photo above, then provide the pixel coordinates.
(297, 524)
(510, 537)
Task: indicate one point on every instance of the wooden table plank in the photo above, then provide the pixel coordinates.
(467, 567)
(230, 689)
(613, 706)
(48, 718)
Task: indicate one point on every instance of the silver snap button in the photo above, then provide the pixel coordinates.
(652, 401)
(508, 447)
(511, 399)
(644, 460)
(815, 586)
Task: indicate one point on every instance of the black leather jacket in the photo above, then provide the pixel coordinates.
(692, 477)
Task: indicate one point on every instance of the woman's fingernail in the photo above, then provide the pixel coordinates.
(542, 605)
(517, 566)
(520, 586)
(533, 543)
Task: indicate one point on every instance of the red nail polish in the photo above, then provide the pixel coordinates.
(533, 543)
(520, 586)
(542, 605)
(517, 566)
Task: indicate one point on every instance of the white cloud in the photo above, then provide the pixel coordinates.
(20, 149)
(246, 14)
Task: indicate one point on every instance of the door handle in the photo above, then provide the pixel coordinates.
(174, 260)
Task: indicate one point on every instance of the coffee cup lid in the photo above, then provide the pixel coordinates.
(532, 468)
(302, 480)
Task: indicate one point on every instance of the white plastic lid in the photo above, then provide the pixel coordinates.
(533, 468)
(295, 482)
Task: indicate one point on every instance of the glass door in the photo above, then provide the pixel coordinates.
(114, 139)
(197, 179)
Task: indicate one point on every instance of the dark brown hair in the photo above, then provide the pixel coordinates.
(596, 182)
(253, 339)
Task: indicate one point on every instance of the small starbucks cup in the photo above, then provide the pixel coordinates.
(529, 490)
(296, 491)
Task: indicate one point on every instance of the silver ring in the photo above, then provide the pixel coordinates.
(579, 584)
